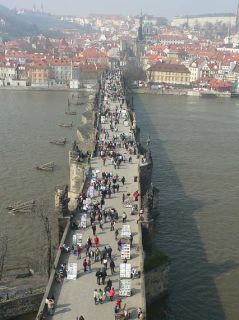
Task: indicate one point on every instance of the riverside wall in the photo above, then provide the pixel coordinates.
(15, 307)
(155, 281)
(182, 92)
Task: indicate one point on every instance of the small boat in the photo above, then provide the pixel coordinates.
(78, 103)
(66, 125)
(60, 142)
(49, 166)
(21, 207)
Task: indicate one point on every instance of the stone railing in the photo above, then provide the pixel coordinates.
(141, 253)
(53, 271)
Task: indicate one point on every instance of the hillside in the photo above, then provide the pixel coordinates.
(13, 25)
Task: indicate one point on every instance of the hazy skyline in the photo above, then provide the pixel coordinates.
(168, 8)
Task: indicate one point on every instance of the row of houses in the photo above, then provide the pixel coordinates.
(190, 62)
(45, 71)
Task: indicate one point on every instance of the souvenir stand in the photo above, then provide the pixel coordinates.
(125, 288)
(77, 239)
(72, 271)
(125, 232)
(125, 270)
(84, 221)
(125, 237)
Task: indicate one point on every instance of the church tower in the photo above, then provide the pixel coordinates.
(140, 44)
(140, 30)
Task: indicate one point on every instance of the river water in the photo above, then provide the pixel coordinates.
(28, 120)
(195, 148)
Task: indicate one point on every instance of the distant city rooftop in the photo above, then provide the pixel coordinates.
(208, 15)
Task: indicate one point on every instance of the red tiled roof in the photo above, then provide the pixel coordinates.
(166, 67)
(93, 53)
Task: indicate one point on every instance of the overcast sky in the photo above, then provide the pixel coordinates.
(167, 8)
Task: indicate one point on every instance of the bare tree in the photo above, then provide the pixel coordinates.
(3, 252)
(44, 212)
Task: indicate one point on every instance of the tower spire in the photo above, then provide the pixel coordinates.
(140, 30)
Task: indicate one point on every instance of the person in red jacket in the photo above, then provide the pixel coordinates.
(78, 250)
(136, 195)
(85, 265)
(96, 241)
(89, 265)
(112, 294)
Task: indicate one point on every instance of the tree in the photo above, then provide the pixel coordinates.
(44, 212)
(3, 252)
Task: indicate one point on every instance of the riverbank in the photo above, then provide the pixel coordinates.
(52, 89)
(184, 92)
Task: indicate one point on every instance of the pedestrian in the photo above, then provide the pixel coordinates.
(102, 202)
(91, 255)
(100, 296)
(117, 187)
(112, 225)
(136, 195)
(89, 241)
(123, 180)
(97, 254)
(101, 225)
(96, 241)
(112, 294)
(124, 216)
(116, 234)
(105, 263)
(105, 251)
(123, 198)
(113, 188)
(78, 250)
(105, 216)
(96, 296)
(112, 266)
(87, 249)
(93, 228)
(109, 284)
(98, 276)
(85, 265)
(117, 309)
(50, 306)
(118, 303)
(131, 239)
(89, 265)
(139, 311)
(109, 250)
(103, 275)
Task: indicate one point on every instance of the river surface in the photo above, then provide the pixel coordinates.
(195, 148)
(28, 120)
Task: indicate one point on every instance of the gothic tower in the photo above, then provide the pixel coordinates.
(140, 30)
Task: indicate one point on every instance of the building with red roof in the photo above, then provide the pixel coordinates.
(176, 74)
